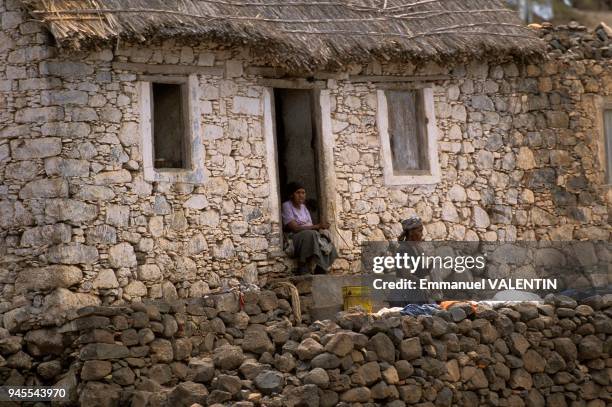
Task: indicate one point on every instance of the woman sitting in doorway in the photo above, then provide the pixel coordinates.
(308, 241)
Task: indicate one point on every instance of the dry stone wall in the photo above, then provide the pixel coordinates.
(80, 226)
(249, 349)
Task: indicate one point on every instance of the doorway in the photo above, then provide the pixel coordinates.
(297, 145)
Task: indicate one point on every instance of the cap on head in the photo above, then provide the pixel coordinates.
(413, 222)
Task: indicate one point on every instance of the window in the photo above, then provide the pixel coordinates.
(408, 133)
(169, 125)
(607, 127)
(170, 130)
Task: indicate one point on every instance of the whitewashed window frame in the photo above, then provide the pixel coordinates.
(195, 173)
(418, 178)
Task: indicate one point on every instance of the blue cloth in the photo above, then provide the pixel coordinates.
(581, 294)
(419, 309)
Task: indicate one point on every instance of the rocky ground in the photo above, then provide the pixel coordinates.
(248, 349)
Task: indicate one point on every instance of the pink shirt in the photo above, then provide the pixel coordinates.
(301, 216)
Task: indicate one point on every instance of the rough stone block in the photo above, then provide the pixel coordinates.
(135, 289)
(45, 235)
(62, 299)
(102, 234)
(103, 351)
(212, 132)
(113, 177)
(95, 193)
(66, 167)
(129, 134)
(122, 255)
(70, 210)
(21, 170)
(45, 188)
(557, 119)
(11, 19)
(246, 105)
(64, 97)
(5, 153)
(73, 254)
(47, 278)
(14, 214)
(149, 272)
(67, 69)
(38, 148)
(39, 114)
(118, 215)
(95, 370)
(105, 279)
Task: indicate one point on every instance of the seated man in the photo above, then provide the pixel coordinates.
(308, 242)
(412, 232)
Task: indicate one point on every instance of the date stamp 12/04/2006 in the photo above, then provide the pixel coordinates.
(32, 393)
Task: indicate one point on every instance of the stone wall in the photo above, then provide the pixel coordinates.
(75, 207)
(80, 226)
(219, 349)
(521, 150)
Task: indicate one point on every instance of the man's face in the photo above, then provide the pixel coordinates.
(299, 196)
(416, 235)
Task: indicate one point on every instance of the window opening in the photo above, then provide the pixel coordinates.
(169, 110)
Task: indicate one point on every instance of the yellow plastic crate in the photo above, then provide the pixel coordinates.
(357, 296)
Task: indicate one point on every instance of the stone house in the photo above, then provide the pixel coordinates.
(144, 144)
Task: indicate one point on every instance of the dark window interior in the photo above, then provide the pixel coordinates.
(608, 137)
(169, 126)
(407, 131)
(295, 136)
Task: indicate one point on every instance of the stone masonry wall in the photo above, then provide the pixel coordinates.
(521, 151)
(80, 226)
(218, 350)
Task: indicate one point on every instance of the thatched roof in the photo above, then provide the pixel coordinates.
(302, 33)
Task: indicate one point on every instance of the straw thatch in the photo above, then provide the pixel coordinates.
(302, 33)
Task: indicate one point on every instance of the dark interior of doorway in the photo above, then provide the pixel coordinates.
(296, 145)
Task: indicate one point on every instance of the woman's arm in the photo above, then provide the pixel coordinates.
(294, 227)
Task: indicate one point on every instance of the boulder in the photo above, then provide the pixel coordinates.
(356, 395)
(41, 342)
(269, 382)
(305, 396)
(95, 370)
(411, 349)
(10, 345)
(188, 393)
(318, 377)
(228, 357)
(370, 372)
(103, 351)
(534, 362)
(257, 341)
(100, 394)
(49, 370)
(341, 344)
(590, 347)
(308, 349)
(383, 346)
